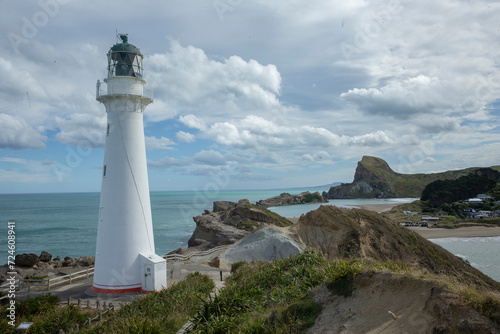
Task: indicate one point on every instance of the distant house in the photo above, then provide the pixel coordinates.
(441, 213)
(474, 200)
(484, 197)
(469, 213)
(430, 218)
(484, 214)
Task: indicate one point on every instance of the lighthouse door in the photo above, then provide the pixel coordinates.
(148, 278)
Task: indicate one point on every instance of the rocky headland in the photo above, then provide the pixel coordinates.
(374, 178)
(288, 199)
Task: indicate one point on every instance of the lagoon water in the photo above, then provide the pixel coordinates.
(66, 224)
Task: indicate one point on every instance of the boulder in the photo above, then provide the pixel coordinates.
(26, 260)
(85, 261)
(45, 257)
(268, 243)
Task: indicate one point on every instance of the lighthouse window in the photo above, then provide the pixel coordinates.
(107, 129)
(104, 171)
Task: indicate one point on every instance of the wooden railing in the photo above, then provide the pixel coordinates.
(179, 257)
(26, 285)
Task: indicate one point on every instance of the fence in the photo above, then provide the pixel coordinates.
(108, 308)
(26, 285)
(179, 257)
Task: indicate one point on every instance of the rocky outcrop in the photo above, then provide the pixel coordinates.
(375, 179)
(45, 257)
(288, 199)
(26, 260)
(33, 265)
(230, 222)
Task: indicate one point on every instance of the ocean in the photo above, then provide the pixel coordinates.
(66, 224)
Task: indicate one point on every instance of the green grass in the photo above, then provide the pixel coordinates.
(160, 312)
(261, 297)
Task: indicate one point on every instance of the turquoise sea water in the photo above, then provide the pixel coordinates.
(66, 224)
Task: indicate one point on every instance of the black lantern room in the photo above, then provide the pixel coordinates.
(124, 59)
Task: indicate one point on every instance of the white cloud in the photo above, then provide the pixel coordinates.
(185, 137)
(212, 158)
(80, 129)
(17, 134)
(186, 78)
(405, 99)
(193, 122)
(168, 162)
(153, 143)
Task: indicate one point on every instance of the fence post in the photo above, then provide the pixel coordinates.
(87, 273)
(77, 327)
(70, 278)
(88, 303)
(79, 302)
(69, 300)
(48, 285)
(90, 321)
(100, 316)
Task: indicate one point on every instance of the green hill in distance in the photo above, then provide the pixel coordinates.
(375, 179)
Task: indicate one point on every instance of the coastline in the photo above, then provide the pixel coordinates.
(434, 233)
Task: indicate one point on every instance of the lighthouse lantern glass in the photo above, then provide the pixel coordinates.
(122, 63)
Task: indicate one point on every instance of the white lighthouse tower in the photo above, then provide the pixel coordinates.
(125, 253)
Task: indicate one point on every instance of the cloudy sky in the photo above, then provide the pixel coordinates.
(251, 94)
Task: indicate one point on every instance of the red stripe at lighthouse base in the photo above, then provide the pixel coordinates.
(116, 288)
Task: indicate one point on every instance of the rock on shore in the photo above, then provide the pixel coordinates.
(288, 199)
(43, 265)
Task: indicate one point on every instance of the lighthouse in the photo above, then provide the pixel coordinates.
(125, 258)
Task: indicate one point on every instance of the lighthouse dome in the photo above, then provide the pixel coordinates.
(124, 59)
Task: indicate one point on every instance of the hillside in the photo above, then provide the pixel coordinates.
(375, 179)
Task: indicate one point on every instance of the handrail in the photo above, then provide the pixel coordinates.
(180, 257)
(51, 282)
(147, 91)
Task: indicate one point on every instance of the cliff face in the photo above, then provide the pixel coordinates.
(375, 179)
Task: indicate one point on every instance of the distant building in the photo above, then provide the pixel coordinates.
(469, 213)
(484, 197)
(484, 214)
(441, 213)
(474, 200)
